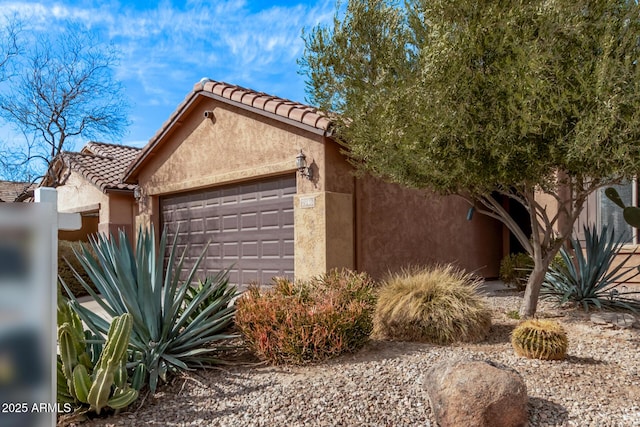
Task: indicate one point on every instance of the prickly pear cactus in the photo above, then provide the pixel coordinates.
(80, 380)
(631, 214)
(540, 339)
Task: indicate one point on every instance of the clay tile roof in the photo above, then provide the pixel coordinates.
(268, 103)
(292, 112)
(10, 190)
(103, 164)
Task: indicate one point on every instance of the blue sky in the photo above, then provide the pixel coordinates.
(168, 46)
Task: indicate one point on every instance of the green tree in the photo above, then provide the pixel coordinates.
(63, 90)
(532, 100)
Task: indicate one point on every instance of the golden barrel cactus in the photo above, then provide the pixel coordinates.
(540, 339)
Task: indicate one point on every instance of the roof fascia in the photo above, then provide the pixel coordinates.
(165, 129)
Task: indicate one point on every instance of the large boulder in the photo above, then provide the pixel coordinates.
(476, 394)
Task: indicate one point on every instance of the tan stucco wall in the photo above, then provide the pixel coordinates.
(237, 145)
(323, 233)
(309, 235)
(115, 210)
(339, 174)
(399, 227)
(77, 194)
(121, 213)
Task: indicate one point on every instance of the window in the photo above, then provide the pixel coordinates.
(610, 214)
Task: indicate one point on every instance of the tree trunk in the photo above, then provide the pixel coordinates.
(532, 292)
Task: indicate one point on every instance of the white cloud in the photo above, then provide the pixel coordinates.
(165, 50)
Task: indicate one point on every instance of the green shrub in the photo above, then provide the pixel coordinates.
(513, 314)
(515, 270)
(67, 262)
(439, 305)
(588, 277)
(165, 336)
(307, 321)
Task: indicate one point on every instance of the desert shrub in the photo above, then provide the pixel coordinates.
(540, 339)
(193, 294)
(67, 262)
(166, 336)
(439, 305)
(307, 321)
(513, 314)
(588, 277)
(515, 269)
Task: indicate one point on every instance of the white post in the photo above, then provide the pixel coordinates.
(28, 294)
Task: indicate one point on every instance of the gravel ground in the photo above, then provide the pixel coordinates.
(597, 385)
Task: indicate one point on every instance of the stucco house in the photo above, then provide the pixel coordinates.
(260, 179)
(90, 183)
(599, 211)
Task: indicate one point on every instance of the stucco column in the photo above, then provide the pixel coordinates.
(323, 233)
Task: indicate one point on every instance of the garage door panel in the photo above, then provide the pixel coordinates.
(287, 218)
(212, 202)
(229, 223)
(196, 225)
(269, 220)
(288, 249)
(212, 224)
(248, 225)
(249, 250)
(249, 222)
(214, 250)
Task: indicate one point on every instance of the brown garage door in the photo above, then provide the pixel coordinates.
(248, 225)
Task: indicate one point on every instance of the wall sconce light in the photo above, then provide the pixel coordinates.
(137, 193)
(301, 165)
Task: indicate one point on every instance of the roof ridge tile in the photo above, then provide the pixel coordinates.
(263, 101)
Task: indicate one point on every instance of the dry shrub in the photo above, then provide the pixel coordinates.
(439, 305)
(310, 321)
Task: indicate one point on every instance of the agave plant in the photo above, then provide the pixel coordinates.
(166, 335)
(590, 278)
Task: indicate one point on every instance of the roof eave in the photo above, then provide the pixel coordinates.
(118, 190)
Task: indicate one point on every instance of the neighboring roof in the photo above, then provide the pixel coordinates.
(291, 112)
(102, 164)
(10, 190)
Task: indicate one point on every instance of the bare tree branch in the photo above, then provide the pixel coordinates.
(65, 93)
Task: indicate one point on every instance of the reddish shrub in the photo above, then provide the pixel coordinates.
(302, 322)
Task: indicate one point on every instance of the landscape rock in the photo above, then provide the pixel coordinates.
(476, 394)
(620, 320)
